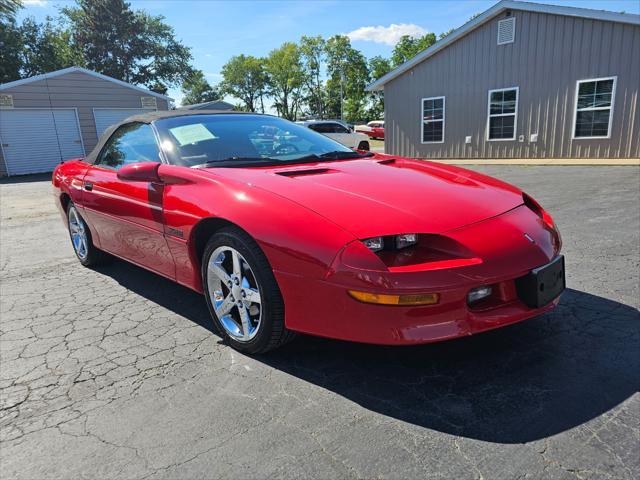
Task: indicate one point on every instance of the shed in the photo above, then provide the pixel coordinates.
(59, 115)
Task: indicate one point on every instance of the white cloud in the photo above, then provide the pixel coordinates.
(387, 35)
(37, 3)
(213, 75)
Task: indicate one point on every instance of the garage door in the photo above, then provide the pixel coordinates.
(36, 141)
(105, 117)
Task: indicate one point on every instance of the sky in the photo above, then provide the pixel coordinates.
(215, 30)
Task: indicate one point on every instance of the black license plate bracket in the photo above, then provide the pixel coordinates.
(543, 284)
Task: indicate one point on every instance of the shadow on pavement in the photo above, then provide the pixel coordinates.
(35, 177)
(513, 385)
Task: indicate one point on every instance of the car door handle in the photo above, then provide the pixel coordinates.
(88, 186)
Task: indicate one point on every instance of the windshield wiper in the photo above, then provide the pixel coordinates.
(335, 155)
(268, 161)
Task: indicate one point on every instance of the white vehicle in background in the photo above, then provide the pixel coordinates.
(339, 132)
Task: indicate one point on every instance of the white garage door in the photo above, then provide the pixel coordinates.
(105, 117)
(36, 141)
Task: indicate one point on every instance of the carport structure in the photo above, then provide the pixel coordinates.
(59, 115)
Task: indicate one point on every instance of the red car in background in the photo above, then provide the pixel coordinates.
(285, 230)
(374, 129)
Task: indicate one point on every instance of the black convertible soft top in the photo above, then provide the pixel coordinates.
(150, 117)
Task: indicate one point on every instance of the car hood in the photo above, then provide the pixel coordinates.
(386, 196)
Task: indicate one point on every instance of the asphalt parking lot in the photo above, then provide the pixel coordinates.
(115, 373)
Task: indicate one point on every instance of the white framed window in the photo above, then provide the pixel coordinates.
(593, 110)
(502, 114)
(432, 120)
(506, 30)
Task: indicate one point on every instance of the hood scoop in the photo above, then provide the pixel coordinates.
(390, 161)
(305, 172)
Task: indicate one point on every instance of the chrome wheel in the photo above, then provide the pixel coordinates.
(235, 293)
(78, 234)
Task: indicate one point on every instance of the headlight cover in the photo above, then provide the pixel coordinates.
(391, 242)
(375, 244)
(406, 240)
(431, 252)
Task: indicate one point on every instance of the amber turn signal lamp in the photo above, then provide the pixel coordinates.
(400, 300)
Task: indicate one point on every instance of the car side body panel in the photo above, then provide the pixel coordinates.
(67, 180)
(128, 218)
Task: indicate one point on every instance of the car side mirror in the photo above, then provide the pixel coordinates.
(140, 172)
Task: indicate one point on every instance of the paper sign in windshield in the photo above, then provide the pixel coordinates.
(194, 133)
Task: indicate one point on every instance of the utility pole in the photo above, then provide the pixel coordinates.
(341, 93)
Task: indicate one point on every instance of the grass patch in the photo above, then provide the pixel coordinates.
(376, 143)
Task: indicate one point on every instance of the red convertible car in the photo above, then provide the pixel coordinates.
(284, 230)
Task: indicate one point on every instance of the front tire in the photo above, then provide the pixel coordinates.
(81, 241)
(363, 146)
(242, 294)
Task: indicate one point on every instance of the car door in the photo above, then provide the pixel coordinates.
(342, 134)
(127, 217)
(334, 131)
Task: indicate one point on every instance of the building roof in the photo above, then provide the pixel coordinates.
(64, 71)
(213, 105)
(487, 15)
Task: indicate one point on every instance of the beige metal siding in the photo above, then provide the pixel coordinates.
(549, 55)
(79, 90)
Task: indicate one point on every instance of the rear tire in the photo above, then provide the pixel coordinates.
(242, 294)
(363, 146)
(81, 240)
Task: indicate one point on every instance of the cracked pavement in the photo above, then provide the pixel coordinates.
(116, 373)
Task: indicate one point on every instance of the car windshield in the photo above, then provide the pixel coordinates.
(235, 140)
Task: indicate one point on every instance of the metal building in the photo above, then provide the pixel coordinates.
(60, 115)
(521, 80)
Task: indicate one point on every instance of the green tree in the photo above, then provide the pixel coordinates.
(378, 67)
(448, 32)
(451, 30)
(196, 89)
(9, 8)
(408, 47)
(10, 41)
(312, 51)
(46, 47)
(127, 44)
(10, 50)
(286, 79)
(348, 76)
(244, 78)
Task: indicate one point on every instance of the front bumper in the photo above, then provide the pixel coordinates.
(323, 307)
